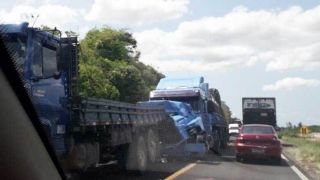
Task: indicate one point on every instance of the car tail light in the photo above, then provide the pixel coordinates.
(275, 140)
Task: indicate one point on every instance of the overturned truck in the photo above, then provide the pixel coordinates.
(205, 127)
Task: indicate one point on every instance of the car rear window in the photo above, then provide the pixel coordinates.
(257, 130)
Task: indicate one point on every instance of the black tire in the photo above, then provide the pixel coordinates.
(153, 146)
(224, 142)
(122, 156)
(208, 144)
(277, 160)
(78, 157)
(217, 142)
(137, 156)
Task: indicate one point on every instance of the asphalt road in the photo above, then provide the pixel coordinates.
(211, 166)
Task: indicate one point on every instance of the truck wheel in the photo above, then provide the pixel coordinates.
(217, 142)
(137, 155)
(153, 146)
(209, 144)
(278, 160)
(78, 157)
(224, 142)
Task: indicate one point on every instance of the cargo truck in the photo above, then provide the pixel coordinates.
(84, 131)
(259, 110)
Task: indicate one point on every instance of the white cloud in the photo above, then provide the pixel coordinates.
(290, 83)
(49, 14)
(136, 12)
(283, 40)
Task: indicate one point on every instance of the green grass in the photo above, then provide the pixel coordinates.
(292, 132)
(304, 150)
(288, 133)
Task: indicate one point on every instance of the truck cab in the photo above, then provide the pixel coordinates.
(38, 57)
(189, 90)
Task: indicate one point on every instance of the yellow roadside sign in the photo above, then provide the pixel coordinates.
(304, 130)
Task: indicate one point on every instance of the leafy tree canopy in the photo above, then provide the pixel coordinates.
(110, 67)
(226, 111)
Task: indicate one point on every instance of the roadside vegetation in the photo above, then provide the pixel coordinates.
(110, 67)
(303, 149)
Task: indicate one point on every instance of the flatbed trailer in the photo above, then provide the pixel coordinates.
(106, 130)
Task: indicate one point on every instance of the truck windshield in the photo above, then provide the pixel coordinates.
(178, 83)
(44, 61)
(17, 46)
(49, 61)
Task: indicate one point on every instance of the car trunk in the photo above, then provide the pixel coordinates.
(258, 139)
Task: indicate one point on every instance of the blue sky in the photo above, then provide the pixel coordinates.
(242, 47)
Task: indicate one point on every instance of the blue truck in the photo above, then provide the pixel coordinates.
(210, 128)
(84, 131)
(185, 126)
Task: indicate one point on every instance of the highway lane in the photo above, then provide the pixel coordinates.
(229, 169)
(211, 166)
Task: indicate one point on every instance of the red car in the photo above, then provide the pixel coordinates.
(258, 141)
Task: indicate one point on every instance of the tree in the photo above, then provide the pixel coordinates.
(71, 34)
(109, 66)
(235, 120)
(53, 31)
(289, 125)
(94, 84)
(111, 44)
(226, 111)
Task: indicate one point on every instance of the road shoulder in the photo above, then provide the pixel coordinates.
(298, 168)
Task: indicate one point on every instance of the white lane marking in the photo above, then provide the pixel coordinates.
(299, 173)
(295, 169)
(283, 157)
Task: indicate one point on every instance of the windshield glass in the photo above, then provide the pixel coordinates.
(49, 61)
(257, 130)
(148, 87)
(178, 83)
(17, 46)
